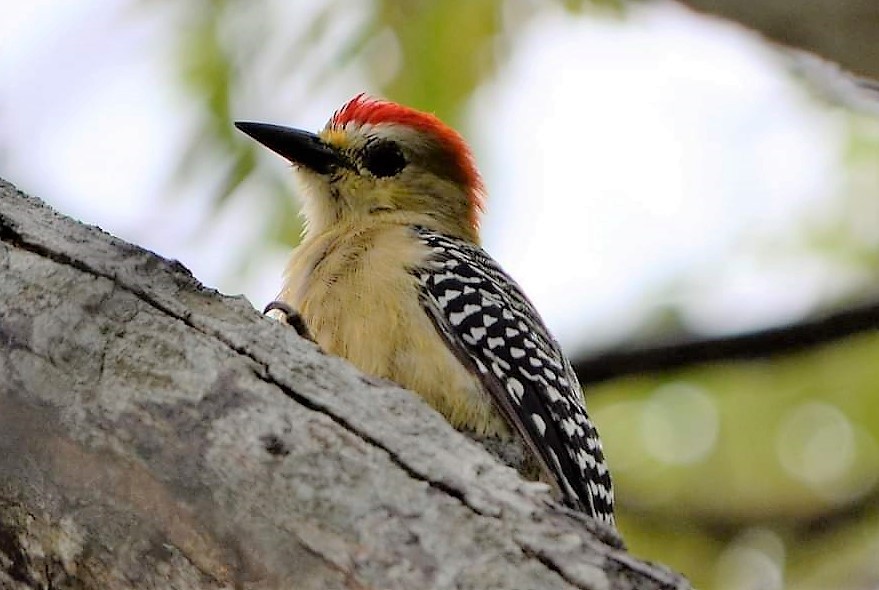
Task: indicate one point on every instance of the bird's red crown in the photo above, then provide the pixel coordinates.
(364, 109)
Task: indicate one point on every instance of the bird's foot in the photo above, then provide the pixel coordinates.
(289, 316)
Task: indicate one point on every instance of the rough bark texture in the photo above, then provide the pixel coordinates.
(157, 434)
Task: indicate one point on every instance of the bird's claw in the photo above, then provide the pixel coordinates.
(291, 317)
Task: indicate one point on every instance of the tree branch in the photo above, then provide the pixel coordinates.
(156, 434)
(842, 31)
(751, 346)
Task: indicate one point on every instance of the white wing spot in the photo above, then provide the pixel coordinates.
(447, 296)
(553, 394)
(539, 423)
(497, 370)
(569, 426)
(457, 317)
(478, 334)
(514, 386)
(527, 375)
(446, 276)
(494, 342)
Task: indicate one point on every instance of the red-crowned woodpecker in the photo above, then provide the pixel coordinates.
(390, 276)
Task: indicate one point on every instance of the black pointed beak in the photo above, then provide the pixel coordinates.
(300, 147)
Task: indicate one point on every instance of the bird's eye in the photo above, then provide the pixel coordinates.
(383, 158)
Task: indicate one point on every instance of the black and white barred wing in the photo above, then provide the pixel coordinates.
(493, 328)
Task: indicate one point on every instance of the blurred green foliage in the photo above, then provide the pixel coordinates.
(445, 48)
(850, 236)
(747, 475)
(706, 456)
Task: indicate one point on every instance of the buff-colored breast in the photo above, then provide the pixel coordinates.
(353, 288)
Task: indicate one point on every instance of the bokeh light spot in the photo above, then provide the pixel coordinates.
(679, 423)
(816, 444)
(753, 561)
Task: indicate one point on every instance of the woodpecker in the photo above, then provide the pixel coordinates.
(390, 275)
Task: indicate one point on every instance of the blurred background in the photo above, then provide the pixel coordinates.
(656, 176)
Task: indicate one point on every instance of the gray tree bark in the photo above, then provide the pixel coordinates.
(157, 434)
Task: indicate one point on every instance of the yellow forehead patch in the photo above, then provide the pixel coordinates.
(335, 137)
